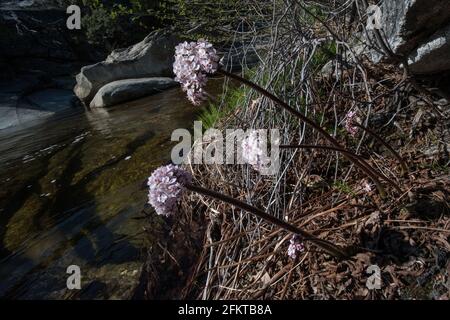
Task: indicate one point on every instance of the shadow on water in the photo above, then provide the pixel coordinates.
(73, 195)
(69, 195)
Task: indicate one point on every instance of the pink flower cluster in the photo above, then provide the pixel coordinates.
(295, 246)
(350, 118)
(253, 153)
(193, 60)
(166, 185)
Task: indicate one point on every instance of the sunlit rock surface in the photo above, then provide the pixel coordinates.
(418, 30)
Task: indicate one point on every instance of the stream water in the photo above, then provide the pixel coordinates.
(72, 192)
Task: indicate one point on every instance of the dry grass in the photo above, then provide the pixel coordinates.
(406, 234)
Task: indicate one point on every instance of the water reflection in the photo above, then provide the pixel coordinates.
(72, 193)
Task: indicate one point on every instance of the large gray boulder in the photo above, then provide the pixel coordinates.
(152, 57)
(418, 30)
(129, 89)
(18, 107)
(433, 55)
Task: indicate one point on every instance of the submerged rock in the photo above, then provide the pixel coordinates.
(27, 100)
(152, 57)
(71, 195)
(129, 89)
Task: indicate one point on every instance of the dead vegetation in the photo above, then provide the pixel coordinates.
(406, 234)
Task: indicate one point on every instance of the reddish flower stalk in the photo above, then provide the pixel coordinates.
(305, 236)
(296, 113)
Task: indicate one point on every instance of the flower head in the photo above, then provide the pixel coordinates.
(193, 60)
(253, 152)
(295, 246)
(350, 118)
(166, 185)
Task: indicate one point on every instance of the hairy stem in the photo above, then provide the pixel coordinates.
(323, 244)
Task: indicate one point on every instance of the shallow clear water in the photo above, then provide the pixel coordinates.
(72, 192)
